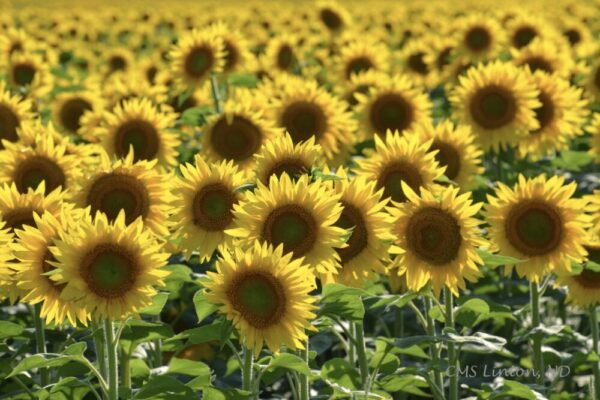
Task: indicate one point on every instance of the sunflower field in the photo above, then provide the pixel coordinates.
(299, 200)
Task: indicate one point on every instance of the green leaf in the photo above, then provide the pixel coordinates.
(340, 371)
(405, 383)
(164, 387)
(289, 362)
(10, 329)
(40, 361)
(186, 367)
(514, 389)
(219, 331)
(139, 368)
(496, 260)
(471, 312)
(69, 388)
(387, 362)
(76, 349)
(195, 115)
(390, 300)
(572, 160)
(137, 331)
(333, 291)
(243, 80)
(212, 393)
(158, 303)
(179, 273)
(348, 308)
(203, 307)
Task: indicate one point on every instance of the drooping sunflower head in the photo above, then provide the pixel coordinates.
(196, 55)
(237, 134)
(135, 188)
(370, 238)
(13, 111)
(69, 108)
(203, 201)
(265, 294)
(280, 156)
(560, 117)
(400, 159)
(298, 215)
(18, 209)
(35, 262)
(396, 105)
(305, 110)
(109, 269)
(497, 100)
(438, 238)
(455, 149)
(138, 125)
(539, 222)
(46, 160)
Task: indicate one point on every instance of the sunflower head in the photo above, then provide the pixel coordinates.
(13, 112)
(265, 294)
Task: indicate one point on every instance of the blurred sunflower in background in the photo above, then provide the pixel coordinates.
(17, 209)
(13, 111)
(583, 289)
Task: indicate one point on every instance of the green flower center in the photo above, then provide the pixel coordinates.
(33, 170)
(238, 140)
(139, 135)
(303, 120)
(434, 236)
(71, 113)
(493, 107)
(534, 228)
(391, 177)
(199, 61)
(212, 207)
(114, 192)
(292, 226)
(391, 111)
(109, 270)
(478, 39)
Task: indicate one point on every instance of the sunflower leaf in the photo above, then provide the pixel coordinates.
(243, 80)
(203, 307)
(496, 260)
(10, 329)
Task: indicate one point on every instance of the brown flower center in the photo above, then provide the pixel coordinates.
(331, 19)
(391, 111)
(545, 113)
(416, 62)
(23, 74)
(493, 107)
(71, 112)
(352, 218)
(9, 122)
(303, 119)
(478, 39)
(293, 226)
(358, 65)
(293, 167)
(391, 177)
(117, 63)
(523, 36)
(238, 140)
(139, 135)
(434, 236)
(109, 270)
(199, 61)
(538, 64)
(589, 279)
(33, 170)
(259, 298)
(285, 57)
(212, 207)
(114, 192)
(19, 217)
(443, 57)
(534, 227)
(447, 156)
(573, 36)
(47, 267)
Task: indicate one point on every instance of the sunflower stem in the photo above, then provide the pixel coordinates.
(247, 370)
(99, 346)
(596, 349)
(452, 354)
(304, 383)
(538, 360)
(433, 348)
(40, 342)
(111, 350)
(361, 352)
(126, 369)
(214, 85)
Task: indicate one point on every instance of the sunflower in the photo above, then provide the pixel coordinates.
(544, 55)
(17, 209)
(265, 294)
(15, 41)
(398, 159)
(116, 60)
(29, 72)
(13, 111)
(583, 289)
(361, 55)
(125, 185)
(497, 100)
(109, 269)
(282, 53)
(359, 83)
(300, 215)
(199, 97)
(45, 161)
(456, 150)
(139, 125)
(238, 133)
(592, 80)
(305, 110)
(237, 53)
(69, 107)
(394, 104)
(370, 237)
(415, 62)
(334, 17)
(480, 37)
(579, 36)
(438, 238)
(196, 55)
(203, 201)
(524, 28)
(539, 223)
(280, 155)
(32, 250)
(560, 117)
